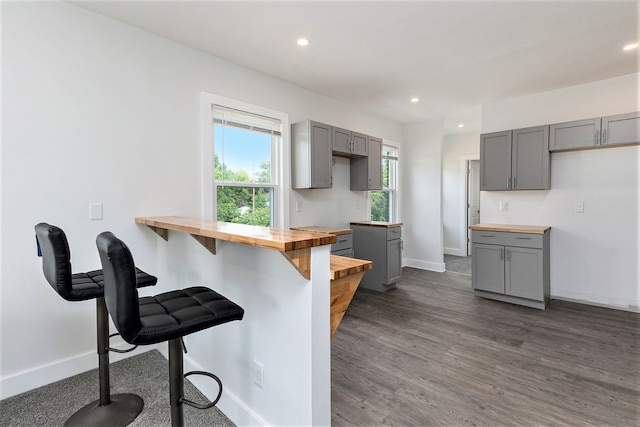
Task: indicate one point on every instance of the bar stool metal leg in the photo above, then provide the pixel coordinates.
(117, 410)
(176, 382)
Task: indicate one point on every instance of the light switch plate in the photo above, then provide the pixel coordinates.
(95, 211)
(580, 207)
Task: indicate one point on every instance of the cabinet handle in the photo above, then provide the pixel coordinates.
(524, 238)
(604, 137)
(501, 254)
(487, 235)
(342, 240)
(514, 182)
(596, 138)
(508, 255)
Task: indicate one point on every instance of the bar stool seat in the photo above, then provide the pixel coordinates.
(168, 316)
(109, 410)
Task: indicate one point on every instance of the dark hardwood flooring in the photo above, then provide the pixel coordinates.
(430, 353)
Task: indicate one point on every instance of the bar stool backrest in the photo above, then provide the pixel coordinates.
(120, 292)
(56, 258)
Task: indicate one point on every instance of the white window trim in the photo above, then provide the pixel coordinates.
(281, 157)
(397, 207)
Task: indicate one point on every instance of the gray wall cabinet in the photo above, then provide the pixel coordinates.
(515, 160)
(621, 129)
(383, 246)
(347, 143)
(311, 145)
(511, 267)
(366, 172)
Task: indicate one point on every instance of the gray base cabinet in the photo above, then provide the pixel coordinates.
(621, 129)
(515, 160)
(343, 245)
(511, 267)
(383, 246)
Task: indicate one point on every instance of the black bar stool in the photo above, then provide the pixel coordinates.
(109, 410)
(165, 317)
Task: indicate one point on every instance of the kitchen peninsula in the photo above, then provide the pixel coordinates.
(286, 329)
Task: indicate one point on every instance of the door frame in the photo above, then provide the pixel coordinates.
(464, 194)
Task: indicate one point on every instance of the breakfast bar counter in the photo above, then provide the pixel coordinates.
(294, 245)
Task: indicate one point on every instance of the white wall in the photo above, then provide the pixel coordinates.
(594, 255)
(456, 150)
(421, 172)
(97, 111)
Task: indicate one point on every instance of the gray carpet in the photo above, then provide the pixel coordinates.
(146, 375)
(458, 264)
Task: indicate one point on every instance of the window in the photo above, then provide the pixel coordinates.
(384, 203)
(245, 147)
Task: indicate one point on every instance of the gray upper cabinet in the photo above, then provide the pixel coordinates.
(515, 160)
(530, 168)
(621, 129)
(311, 145)
(347, 143)
(495, 161)
(366, 172)
(574, 135)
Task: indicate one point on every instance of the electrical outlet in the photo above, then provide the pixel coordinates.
(504, 206)
(579, 207)
(258, 374)
(298, 206)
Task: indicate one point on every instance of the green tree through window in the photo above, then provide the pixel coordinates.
(383, 201)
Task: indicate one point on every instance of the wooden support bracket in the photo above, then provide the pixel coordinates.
(301, 260)
(208, 242)
(162, 232)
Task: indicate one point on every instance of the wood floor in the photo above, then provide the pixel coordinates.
(430, 353)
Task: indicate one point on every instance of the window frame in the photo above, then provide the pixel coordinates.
(279, 154)
(394, 196)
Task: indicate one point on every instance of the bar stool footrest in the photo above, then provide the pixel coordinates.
(116, 350)
(201, 405)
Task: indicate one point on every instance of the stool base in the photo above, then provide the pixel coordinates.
(123, 409)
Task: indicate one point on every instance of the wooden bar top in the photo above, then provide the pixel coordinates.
(377, 223)
(263, 237)
(513, 228)
(343, 266)
(327, 230)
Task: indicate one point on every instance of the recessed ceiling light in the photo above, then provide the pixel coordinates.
(303, 42)
(631, 46)
(460, 125)
(415, 100)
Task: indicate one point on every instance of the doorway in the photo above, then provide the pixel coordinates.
(473, 197)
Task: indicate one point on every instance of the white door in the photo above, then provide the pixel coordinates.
(473, 197)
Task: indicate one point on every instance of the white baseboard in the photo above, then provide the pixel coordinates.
(455, 252)
(425, 265)
(596, 300)
(24, 381)
(230, 404)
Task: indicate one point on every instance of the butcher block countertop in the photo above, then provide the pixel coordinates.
(342, 266)
(294, 245)
(512, 228)
(321, 229)
(377, 223)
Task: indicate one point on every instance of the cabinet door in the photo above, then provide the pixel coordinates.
(320, 161)
(524, 273)
(530, 159)
(341, 141)
(621, 129)
(374, 163)
(394, 261)
(573, 135)
(495, 161)
(487, 267)
(359, 144)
